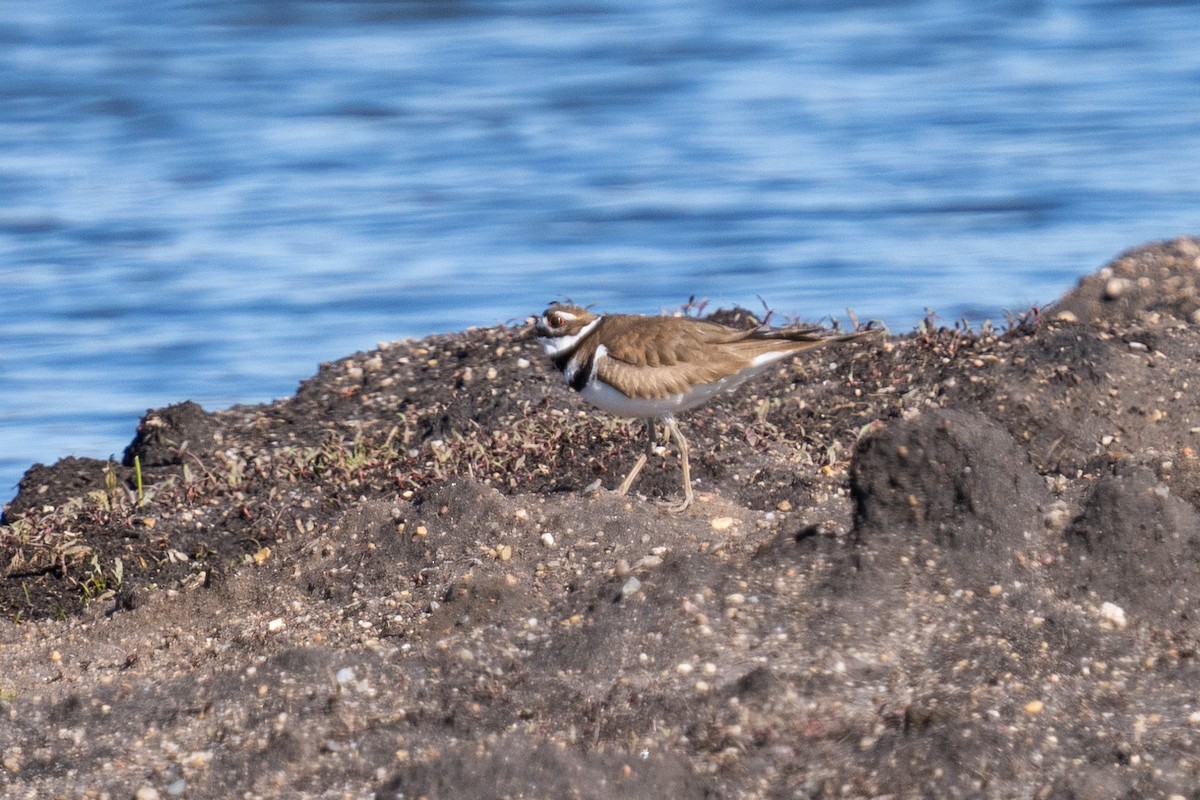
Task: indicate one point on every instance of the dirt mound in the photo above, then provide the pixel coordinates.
(956, 475)
(1147, 283)
(947, 564)
(1136, 543)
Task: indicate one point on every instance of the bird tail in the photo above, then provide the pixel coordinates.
(813, 335)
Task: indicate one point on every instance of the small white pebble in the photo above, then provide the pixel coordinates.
(735, 599)
(344, 675)
(684, 668)
(548, 539)
(523, 363)
(1113, 613)
(275, 625)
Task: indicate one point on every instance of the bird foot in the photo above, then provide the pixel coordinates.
(679, 506)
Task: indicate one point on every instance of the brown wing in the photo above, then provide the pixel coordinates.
(656, 357)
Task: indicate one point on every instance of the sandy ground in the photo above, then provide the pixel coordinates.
(951, 563)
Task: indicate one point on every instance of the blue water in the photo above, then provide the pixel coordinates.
(204, 200)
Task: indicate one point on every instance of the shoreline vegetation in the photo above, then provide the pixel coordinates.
(950, 562)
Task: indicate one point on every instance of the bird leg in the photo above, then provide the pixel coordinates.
(681, 443)
(651, 439)
(641, 459)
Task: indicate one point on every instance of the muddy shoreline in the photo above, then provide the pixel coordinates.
(942, 563)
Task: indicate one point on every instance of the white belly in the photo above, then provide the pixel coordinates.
(606, 398)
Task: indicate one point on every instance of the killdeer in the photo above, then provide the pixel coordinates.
(653, 368)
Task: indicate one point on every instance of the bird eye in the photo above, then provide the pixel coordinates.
(554, 319)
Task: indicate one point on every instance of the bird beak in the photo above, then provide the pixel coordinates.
(527, 332)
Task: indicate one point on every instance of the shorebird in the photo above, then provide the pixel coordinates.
(654, 367)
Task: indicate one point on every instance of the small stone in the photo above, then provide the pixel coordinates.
(1111, 612)
(702, 687)
(373, 364)
(146, 793)
(631, 586)
(1115, 287)
(783, 505)
(648, 562)
(523, 363)
(262, 555)
(735, 599)
(504, 552)
(1034, 707)
(344, 676)
(1066, 316)
(684, 668)
(491, 373)
(995, 590)
(722, 523)
(547, 539)
(177, 788)
(275, 625)
(1057, 516)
